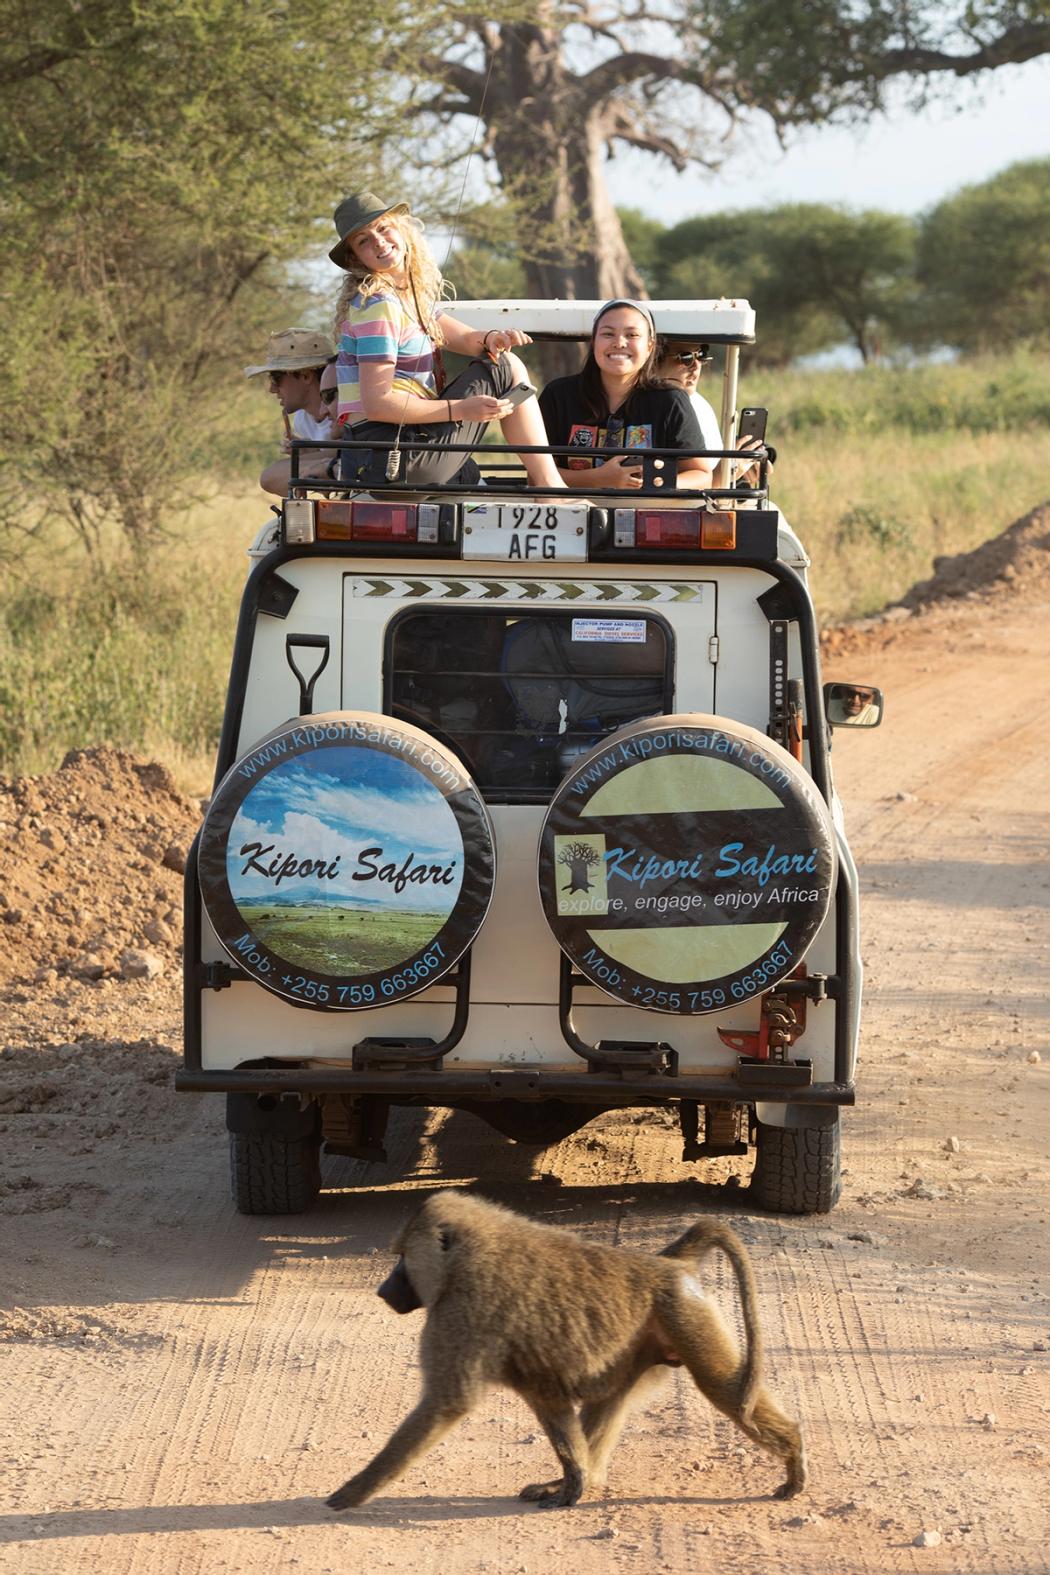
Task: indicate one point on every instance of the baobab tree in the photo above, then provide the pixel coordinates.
(554, 94)
(579, 858)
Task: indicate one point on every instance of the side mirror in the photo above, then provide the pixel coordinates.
(853, 705)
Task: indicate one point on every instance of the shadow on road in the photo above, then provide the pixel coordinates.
(151, 1519)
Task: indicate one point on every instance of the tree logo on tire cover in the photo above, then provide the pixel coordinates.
(347, 861)
(686, 864)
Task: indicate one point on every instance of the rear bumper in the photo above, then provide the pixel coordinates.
(772, 1084)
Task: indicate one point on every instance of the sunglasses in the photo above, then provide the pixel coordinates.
(329, 395)
(691, 357)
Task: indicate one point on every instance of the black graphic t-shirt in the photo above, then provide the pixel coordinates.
(658, 418)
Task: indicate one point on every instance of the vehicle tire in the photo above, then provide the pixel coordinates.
(274, 1175)
(798, 1170)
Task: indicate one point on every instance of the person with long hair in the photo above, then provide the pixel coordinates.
(391, 325)
(617, 401)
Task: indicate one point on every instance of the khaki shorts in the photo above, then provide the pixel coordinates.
(430, 464)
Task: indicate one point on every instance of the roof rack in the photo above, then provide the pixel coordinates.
(722, 322)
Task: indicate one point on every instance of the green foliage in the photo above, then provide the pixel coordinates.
(486, 264)
(734, 254)
(559, 83)
(815, 274)
(806, 61)
(646, 239)
(984, 261)
(160, 164)
(868, 522)
(126, 654)
(988, 394)
(884, 469)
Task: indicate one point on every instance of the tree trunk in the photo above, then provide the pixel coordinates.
(547, 141)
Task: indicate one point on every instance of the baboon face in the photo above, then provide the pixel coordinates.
(398, 1291)
(424, 1245)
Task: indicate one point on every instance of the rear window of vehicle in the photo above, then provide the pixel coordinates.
(519, 695)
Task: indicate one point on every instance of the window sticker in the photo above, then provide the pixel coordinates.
(621, 631)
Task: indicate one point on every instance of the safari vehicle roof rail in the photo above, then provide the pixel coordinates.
(722, 322)
(659, 469)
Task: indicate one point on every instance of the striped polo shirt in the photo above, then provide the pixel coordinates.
(380, 329)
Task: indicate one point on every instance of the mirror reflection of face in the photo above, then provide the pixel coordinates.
(854, 700)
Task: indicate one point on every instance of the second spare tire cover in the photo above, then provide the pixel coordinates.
(686, 863)
(347, 861)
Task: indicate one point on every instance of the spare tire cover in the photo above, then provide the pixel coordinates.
(686, 863)
(347, 861)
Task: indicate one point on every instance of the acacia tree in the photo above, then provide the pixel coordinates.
(578, 79)
(813, 272)
(984, 261)
(160, 165)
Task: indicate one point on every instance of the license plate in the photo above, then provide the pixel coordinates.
(526, 532)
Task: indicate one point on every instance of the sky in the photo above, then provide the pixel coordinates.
(903, 162)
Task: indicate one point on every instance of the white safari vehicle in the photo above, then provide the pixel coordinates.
(525, 809)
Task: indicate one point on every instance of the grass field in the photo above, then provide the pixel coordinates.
(348, 941)
(880, 471)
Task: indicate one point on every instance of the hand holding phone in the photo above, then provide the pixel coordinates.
(752, 423)
(519, 393)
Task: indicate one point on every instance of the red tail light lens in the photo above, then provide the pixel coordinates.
(678, 530)
(667, 528)
(384, 522)
(338, 520)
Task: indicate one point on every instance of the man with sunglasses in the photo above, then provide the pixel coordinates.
(682, 364)
(300, 368)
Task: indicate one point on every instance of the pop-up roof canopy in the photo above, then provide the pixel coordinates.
(725, 322)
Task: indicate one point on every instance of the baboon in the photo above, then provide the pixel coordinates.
(565, 1324)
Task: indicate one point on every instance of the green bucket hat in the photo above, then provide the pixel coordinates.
(354, 213)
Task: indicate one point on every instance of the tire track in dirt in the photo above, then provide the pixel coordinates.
(174, 1440)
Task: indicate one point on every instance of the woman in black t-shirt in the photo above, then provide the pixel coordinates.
(617, 401)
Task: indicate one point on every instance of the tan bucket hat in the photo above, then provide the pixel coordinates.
(354, 213)
(294, 350)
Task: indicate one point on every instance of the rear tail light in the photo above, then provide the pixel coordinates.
(380, 521)
(688, 530)
(337, 519)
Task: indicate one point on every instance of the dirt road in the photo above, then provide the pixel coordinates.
(182, 1386)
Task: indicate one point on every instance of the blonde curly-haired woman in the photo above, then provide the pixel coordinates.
(390, 326)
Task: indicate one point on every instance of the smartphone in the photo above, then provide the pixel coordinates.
(519, 393)
(752, 423)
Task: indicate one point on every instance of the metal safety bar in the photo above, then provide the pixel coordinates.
(646, 455)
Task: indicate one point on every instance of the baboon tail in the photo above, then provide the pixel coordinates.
(694, 1245)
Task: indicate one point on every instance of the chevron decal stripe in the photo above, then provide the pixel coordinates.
(390, 588)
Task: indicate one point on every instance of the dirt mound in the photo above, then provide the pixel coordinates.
(1013, 564)
(93, 856)
(1019, 556)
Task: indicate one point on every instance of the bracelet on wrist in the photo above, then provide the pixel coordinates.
(448, 407)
